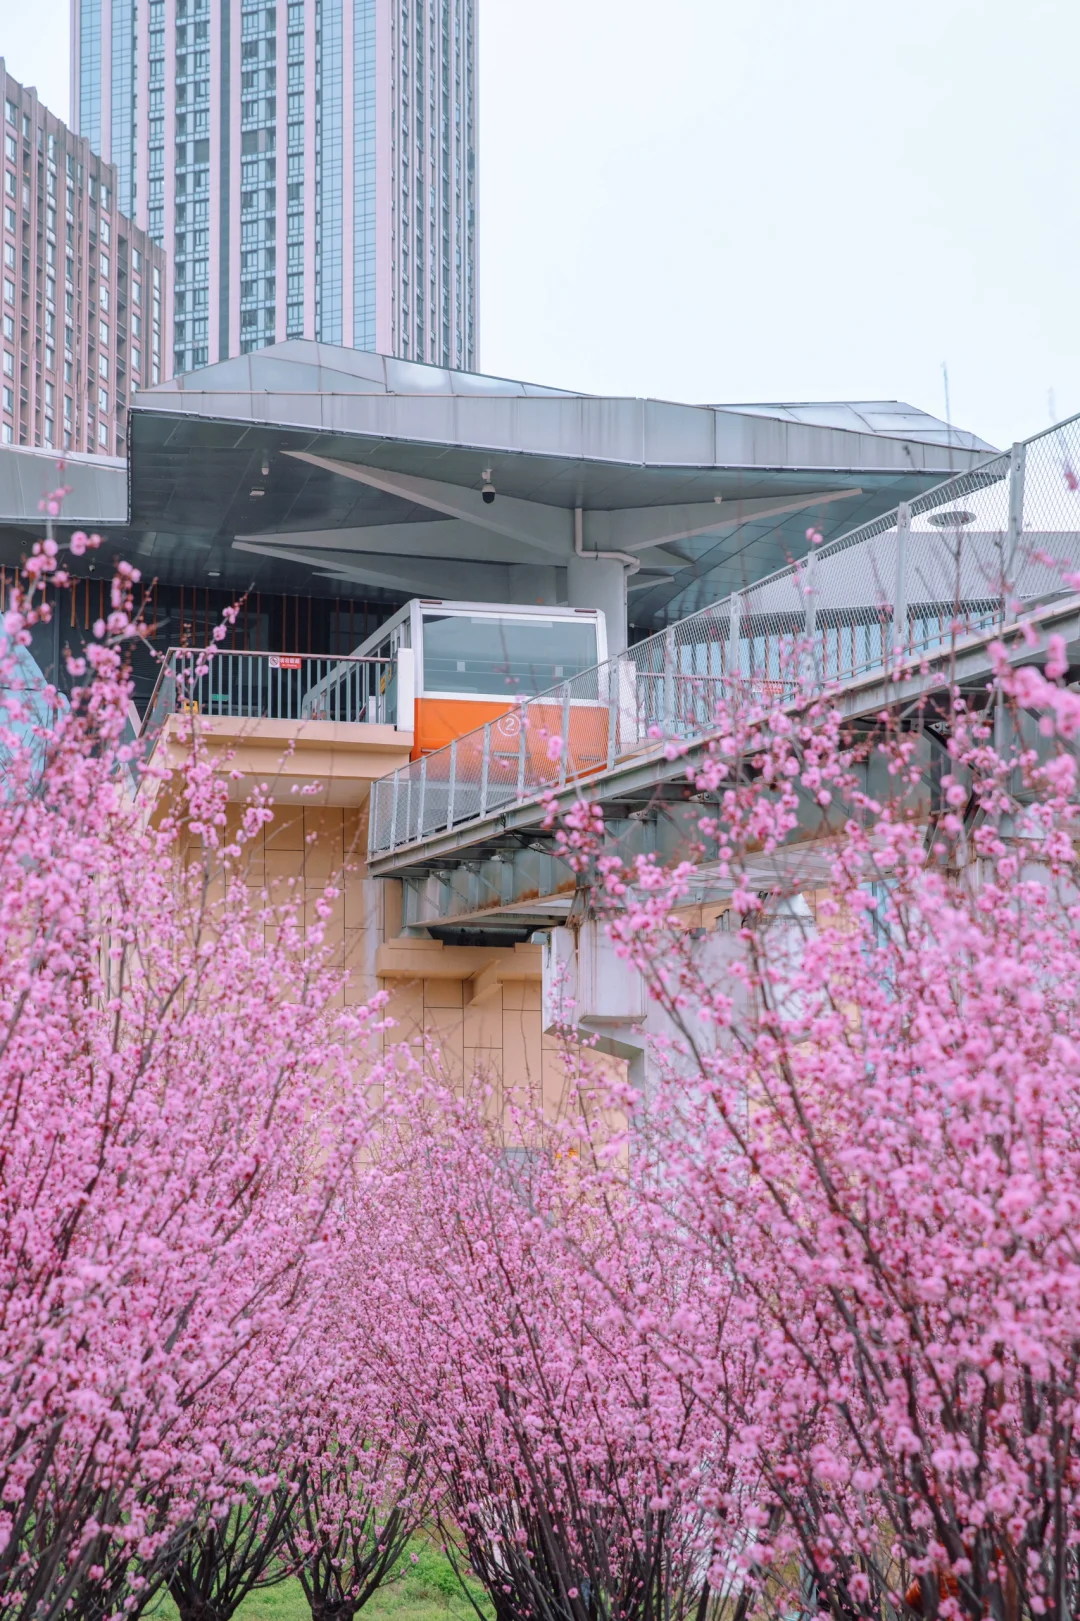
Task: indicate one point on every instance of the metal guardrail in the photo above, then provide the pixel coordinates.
(273, 686)
(957, 559)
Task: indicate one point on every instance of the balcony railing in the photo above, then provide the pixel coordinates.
(271, 686)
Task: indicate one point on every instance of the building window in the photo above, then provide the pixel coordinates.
(103, 331)
(103, 435)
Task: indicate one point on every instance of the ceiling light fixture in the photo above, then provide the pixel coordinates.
(950, 520)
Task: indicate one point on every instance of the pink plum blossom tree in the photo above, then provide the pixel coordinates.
(181, 1102)
(566, 1456)
(866, 1131)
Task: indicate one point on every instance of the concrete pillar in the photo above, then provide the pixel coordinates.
(586, 983)
(600, 582)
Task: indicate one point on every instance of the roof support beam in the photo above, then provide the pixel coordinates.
(416, 577)
(449, 538)
(549, 528)
(633, 529)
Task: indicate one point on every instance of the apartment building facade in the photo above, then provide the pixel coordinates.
(81, 288)
(309, 166)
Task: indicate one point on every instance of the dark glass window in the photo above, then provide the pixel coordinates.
(504, 657)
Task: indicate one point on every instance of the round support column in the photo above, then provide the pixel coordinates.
(600, 582)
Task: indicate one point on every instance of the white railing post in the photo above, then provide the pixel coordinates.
(565, 734)
(423, 797)
(900, 595)
(1017, 466)
(451, 785)
(734, 658)
(810, 624)
(485, 767)
(405, 718)
(394, 810)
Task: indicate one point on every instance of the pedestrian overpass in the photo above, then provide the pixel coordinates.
(886, 616)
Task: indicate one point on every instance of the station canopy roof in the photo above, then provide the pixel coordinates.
(308, 468)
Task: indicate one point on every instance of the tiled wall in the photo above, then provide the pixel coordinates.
(498, 1038)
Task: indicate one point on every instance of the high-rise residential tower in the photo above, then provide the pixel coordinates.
(80, 287)
(309, 166)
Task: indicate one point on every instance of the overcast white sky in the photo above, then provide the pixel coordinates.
(768, 199)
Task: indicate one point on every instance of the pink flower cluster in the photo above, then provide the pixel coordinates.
(795, 1328)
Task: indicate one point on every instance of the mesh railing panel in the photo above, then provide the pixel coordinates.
(1050, 501)
(959, 559)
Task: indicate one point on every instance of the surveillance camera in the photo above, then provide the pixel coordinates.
(488, 493)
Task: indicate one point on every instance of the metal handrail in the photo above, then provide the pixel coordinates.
(274, 686)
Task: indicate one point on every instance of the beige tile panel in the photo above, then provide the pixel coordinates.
(443, 993)
(522, 1051)
(286, 831)
(443, 1029)
(284, 863)
(483, 1023)
(362, 903)
(522, 995)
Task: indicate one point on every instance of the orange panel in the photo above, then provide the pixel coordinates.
(587, 738)
(440, 720)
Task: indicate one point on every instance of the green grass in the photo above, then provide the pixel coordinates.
(424, 1590)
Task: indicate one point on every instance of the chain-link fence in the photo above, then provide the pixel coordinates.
(972, 553)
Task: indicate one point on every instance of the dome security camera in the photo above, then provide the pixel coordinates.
(487, 489)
